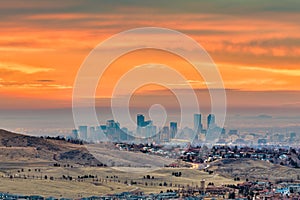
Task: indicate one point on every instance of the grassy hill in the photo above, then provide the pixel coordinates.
(18, 147)
(26, 162)
(254, 170)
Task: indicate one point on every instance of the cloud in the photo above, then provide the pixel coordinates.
(27, 69)
(288, 72)
(57, 86)
(193, 83)
(239, 83)
(45, 80)
(32, 85)
(24, 49)
(31, 5)
(258, 39)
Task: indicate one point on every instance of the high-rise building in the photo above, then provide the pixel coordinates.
(173, 129)
(113, 130)
(150, 131)
(83, 132)
(110, 123)
(92, 133)
(197, 123)
(140, 119)
(211, 120)
(100, 132)
(112, 127)
(165, 134)
(147, 123)
(143, 128)
(124, 134)
(102, 128)
(75, 134)
(213, 134)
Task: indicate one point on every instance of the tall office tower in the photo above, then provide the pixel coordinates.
(124, 134)
(112, 127)
(165, 134)
(139, 122)
(211, 120)
(110, 123)
(197, 123)
(92, 133)
(100, 133)
(75, 134)
(147, 123)
(150, 131)
(140, 119)
(173, 129)
(101, 130)
(83, 132)
(117, 125)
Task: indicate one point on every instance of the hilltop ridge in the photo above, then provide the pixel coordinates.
(20, 147)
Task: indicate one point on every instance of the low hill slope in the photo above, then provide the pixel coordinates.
(255, 170)
(19, 147)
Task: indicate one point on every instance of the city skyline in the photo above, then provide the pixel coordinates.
(147, 132)
(144, 129)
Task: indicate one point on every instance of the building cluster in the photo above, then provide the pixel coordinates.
(266, 190)
(233, 137)
(202, 158)
(201, 155)
(111, 130)
(147, 132)
(286, 156)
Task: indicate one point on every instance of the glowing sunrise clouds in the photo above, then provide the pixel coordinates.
(256, 45)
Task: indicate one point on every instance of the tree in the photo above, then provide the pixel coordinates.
(231, 195)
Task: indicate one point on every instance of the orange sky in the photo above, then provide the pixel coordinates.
(42, 45)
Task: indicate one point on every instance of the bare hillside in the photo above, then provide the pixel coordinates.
(19, 147)
(255, 170)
